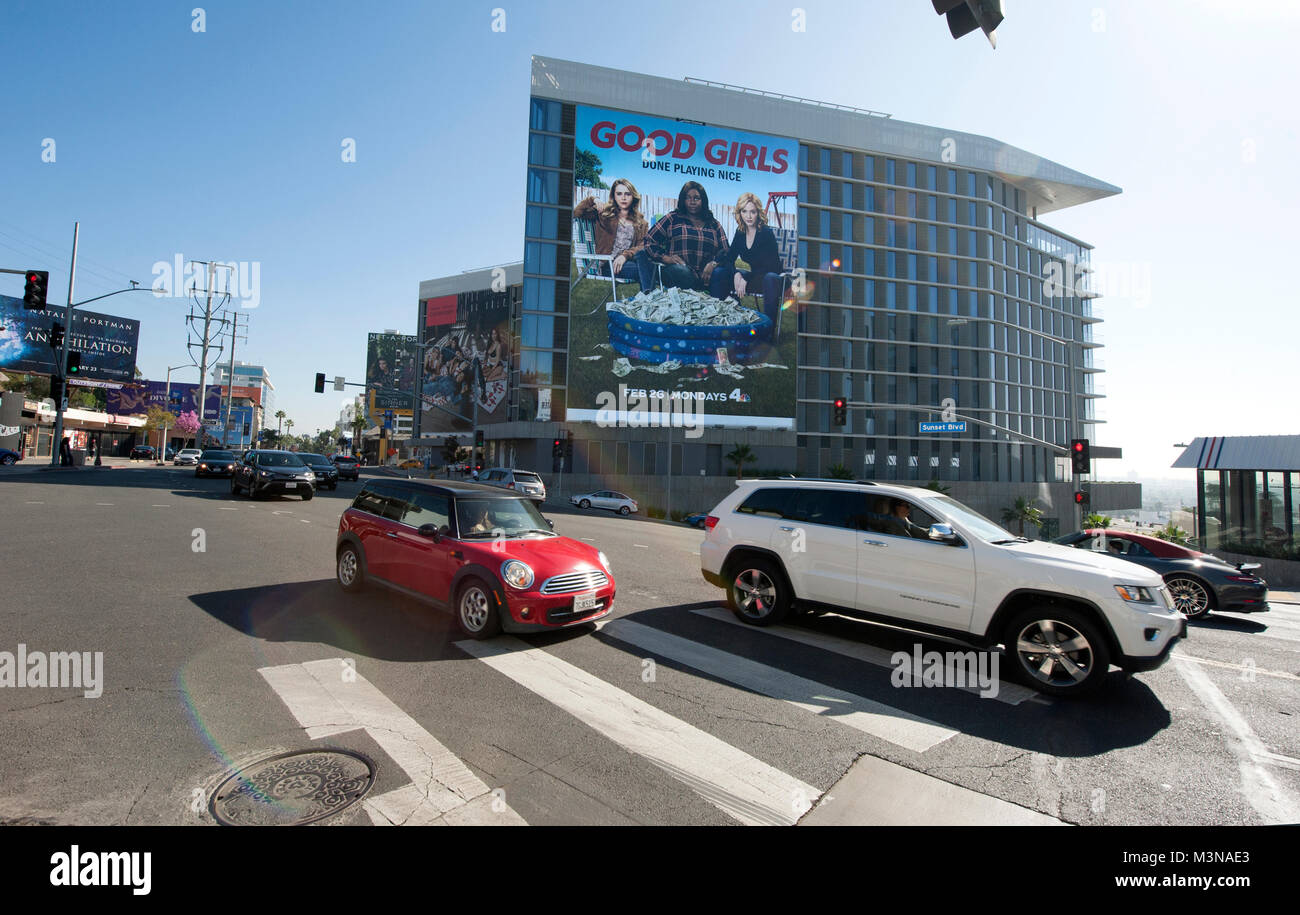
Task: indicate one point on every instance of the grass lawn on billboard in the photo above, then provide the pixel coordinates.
(770, 390)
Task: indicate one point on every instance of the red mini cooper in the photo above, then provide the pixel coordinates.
(485, 553)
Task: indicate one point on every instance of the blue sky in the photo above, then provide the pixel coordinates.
(225, 144)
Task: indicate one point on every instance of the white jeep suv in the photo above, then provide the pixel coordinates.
(916, 558)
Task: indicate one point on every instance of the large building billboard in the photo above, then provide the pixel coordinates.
(107, 343)
(702, 339)
(180, 397)
(391, 364)
(466, 360)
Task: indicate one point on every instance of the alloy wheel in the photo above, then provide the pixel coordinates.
(1190, 597)
(474, 608)
(755, 593)
(1054, 653)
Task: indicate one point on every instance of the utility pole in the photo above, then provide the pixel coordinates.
(230, 380)
(205, 340)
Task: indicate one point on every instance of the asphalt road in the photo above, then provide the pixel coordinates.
(208, 610)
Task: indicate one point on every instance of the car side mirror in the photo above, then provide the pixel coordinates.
(432, 531)
(944, 533)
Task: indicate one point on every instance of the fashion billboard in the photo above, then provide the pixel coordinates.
(683, 274)
(107, 343)
(181, 397)
(391, 363)
(466, 360)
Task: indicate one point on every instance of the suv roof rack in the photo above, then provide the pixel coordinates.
(791, 476)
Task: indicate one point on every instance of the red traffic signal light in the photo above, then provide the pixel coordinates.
(320, 382)
(841, 411)
(38, 282)
(1080, 456)
(1080, 497)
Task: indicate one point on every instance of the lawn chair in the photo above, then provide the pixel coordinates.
(587, 260)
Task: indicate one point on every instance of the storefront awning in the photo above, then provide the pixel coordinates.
(1242, 452)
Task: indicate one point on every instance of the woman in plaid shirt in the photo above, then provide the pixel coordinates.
(688, 242)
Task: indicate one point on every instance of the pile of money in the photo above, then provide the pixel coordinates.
(671, 305)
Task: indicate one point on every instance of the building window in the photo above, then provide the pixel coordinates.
(543, 186)
(544, 115)
(541, 222)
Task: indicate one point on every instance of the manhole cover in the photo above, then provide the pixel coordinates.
(293, 788)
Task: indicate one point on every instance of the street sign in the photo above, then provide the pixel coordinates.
(943, 427)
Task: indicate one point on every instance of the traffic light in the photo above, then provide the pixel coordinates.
(74, 363)
(965, 16)
(568, 451)
(841, 411)
(56, 390)
(1080, 497)
(1080, 456)
(320, 382)
(478, 438)
(56, 335)
(38, 281)
(557, 449)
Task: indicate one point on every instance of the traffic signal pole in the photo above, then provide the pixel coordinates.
(62, 362)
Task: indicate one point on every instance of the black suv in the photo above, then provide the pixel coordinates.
(263, 473)
(347, 467)
(327, 475)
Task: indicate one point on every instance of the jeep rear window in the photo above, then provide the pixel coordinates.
(527, 477)
(767, 503)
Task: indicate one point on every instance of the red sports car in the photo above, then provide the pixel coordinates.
(486, 554)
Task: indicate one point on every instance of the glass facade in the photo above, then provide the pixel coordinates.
(935, 293)
(1248, 511)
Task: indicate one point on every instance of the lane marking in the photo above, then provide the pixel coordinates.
(1261, 791)
(858, 712)
(741, 786)
(641, 545)
(103, 503)
(304, 521)
(1010, 693)
(226, 508)
(163, 505)
(1264, 673)
(443, 790)
(40, 502)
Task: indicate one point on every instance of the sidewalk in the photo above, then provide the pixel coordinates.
(42, 465)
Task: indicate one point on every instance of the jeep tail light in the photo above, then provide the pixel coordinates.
(710, 522)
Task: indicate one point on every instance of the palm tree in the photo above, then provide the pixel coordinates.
(288, 426)
(279, 415)
(1020, 513)
(741, 456)
(1096, 520)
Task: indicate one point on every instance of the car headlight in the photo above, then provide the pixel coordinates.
(310, 475)
(516, 574)
(1135, 594)
(264, 473)
(604, 560)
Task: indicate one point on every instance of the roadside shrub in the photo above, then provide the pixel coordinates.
(654, 511)
(677, 514)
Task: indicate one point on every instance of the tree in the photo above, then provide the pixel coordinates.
(938, 487)
(1173, 534)
(1096, 519)
(740, 456)
(1021, 513)
(586, 169)
(159, 419)
(288, 426)
(839, 472)
(188, 424)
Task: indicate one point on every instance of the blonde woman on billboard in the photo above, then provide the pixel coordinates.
(620, 227)
(755, 245)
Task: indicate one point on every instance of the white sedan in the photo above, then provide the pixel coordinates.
(187, 456)
(606, 498)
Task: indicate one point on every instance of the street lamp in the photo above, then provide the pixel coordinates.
(167, 402)
(1069, 389)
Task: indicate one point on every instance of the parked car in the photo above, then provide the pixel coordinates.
(187, 456)
(521, 481)
(215, 463)
(142, 453)
(347, 466)
(411, 464)
(608, 499)
(697, 519)
(9, 457)
(1198, 582)
(485, 553)
(327, 475)
(920, 559)
(267, 473)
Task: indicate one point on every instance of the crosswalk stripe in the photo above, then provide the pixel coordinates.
(733, 781)
(858, 712)
(1010, 693)
(328, 697)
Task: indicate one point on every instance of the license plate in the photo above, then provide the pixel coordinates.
(586, 601)
(290, 485)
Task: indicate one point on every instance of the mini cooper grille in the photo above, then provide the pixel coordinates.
(575, 581)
